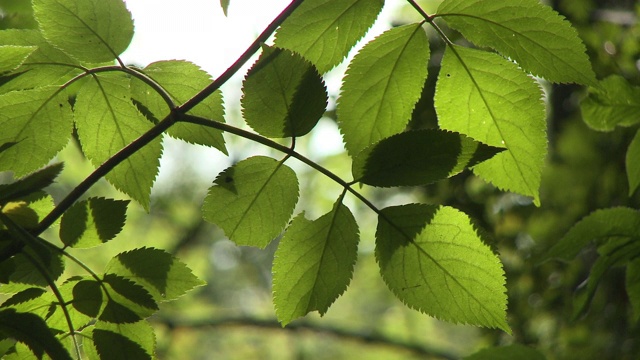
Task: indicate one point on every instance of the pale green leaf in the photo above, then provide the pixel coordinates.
(11, 56)
(38, 123)
(283, 94)
(314, 263)
(487, 98)
(89, 30)
(182, 80)
(614, 102)
(127, 302)
(382, 85)
(253, 200)
(225, 6)
(434, 261)
(92, 222)
(598, 226)
(632, 281)
(511, 352)
(124, 341)
(56, 317)
(162, 275)
(30, 184)
(534, 35)
(32, 331)
(107, 121)
(418, 158)
(323, 31)
(632, 161)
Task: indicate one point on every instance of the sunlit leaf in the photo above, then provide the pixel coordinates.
(90, 30)
(314, 263)
(487, 98)
(38, 122)
(434, 261)
(127, 301)
(283, 94)
(382, 85)
(632, 161)
(614, 102)
(161, 274)
(107, 121)
(534, 35)
(57, 318)
(323, 31)
(11, 56)
(88, 298)
(124, 341)
(31, 300)
(632, 281)
(252, 200)
(418, 158)
(31, 183)
(33, 331)
(514, 351)
(92, 222)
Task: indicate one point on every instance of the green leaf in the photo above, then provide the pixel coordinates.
(11, 57)
(124, 341)
(89, 30)
(32, 300)
(92, 222)
(283, 94)
(614, 102)
(57, 319)
(127, 301)
(632, 282)
(225, 6)
(434, 261)
(382, 85)
(600, 225)
(632, 162)
(418, 158)
(515, 351)
(88, 298)
(38, 122)
(162, 275)
(30, 184)
(107, 121)
(252, 201)
(323, 31)
(33, 331)
(314, 263)
(182, 80)
(534, 35)
(488, 98)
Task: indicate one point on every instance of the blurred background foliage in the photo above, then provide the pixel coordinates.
(232, 316)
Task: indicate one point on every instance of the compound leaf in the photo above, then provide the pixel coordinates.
(11, 56)
(418, 158)
(488, 98)
(323, 31)
(614, 102)
(107, 121)
(31, 330)
(632, 161)
(434, 261)
(89, 30)
(314, 263)
(162, 275)
(283, 94)
(534, 35)
(92, 222)
(382, 85)
(124, 341)
(253, 200)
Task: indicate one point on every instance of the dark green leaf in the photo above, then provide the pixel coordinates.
(92, 222)
(12, 56)
(489, 99)
(124, 341)
(382, 85)
(323, 31)
(314, 263)
(632, 281)
(89, 30)
(252, 201)
(632, 162)
(33, 331)
(418, 158)
(511, 352)
(162, 275)
(434, 261)
(614, 102)
(88, 298)
(283, 94)
(532, 34)
(30, 184)
(127, 302)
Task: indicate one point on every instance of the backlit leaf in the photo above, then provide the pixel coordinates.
(487, 98)
(632, 161)
(107, 121)
(124, 341)
(92, 222)
(252, 201)
(314, 263)
(382, 85)
(11, 56)
(534, 35)
(613, 103)
(90, 30)
(434, 261)
(323, 31)
(31, 183)
(127, 302)
(418, 158)
(32, 331)
(162, 275)
(38, 122)
(283, 94)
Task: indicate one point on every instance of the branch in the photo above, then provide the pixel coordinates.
(358, 336)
